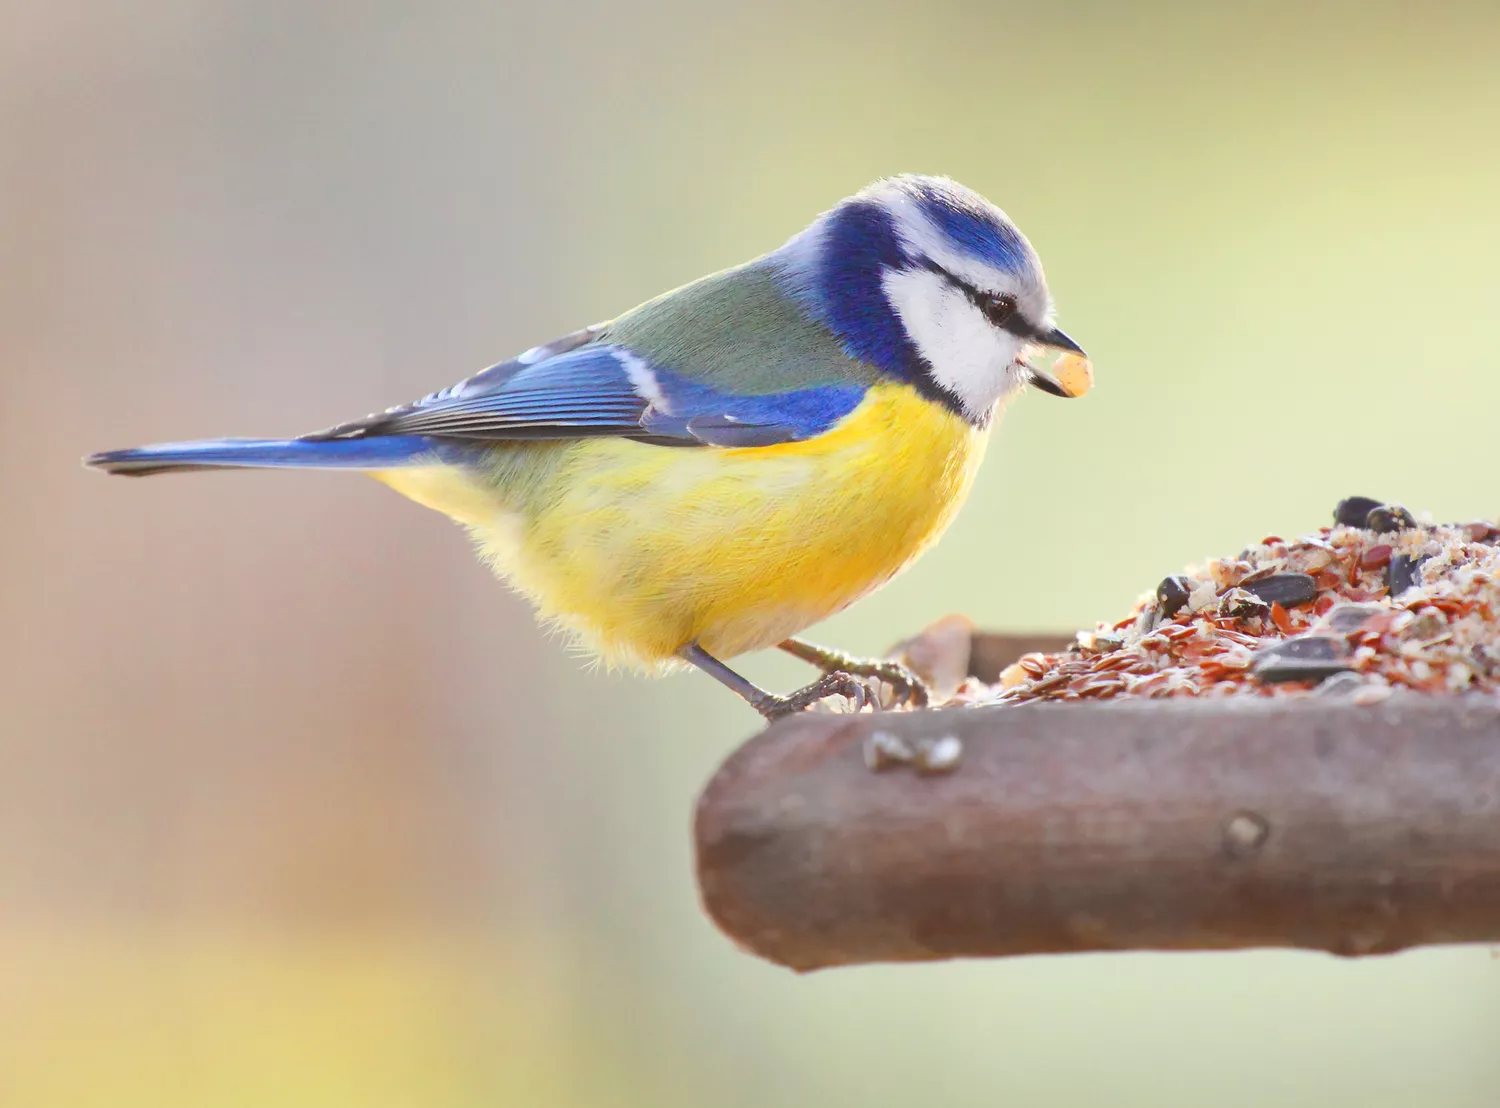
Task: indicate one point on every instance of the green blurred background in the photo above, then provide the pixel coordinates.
(297, 808)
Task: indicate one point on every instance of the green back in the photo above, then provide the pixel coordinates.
(738, 331)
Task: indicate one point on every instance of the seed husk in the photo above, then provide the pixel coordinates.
(1389, 518)
(1242, 603)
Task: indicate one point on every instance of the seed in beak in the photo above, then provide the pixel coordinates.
(1074, 373)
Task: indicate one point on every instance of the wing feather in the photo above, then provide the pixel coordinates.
(609, 379)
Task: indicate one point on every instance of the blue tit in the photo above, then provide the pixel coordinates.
(729, 463)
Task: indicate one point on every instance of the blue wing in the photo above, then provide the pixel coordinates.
(581, 386)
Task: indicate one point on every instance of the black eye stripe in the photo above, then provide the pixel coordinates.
(1001, 310)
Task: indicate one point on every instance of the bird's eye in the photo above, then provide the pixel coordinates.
(999, 309)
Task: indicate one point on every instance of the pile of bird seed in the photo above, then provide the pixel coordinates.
(1378, 602)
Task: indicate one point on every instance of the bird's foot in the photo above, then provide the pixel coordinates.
(830, 684)
(906, 686)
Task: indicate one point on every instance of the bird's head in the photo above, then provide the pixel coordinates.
(928, 281)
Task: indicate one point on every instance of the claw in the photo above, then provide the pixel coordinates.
(906, 686)
(837, 683)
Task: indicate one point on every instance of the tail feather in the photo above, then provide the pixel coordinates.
(380, 452)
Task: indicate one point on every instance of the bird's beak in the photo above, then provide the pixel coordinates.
(1057, 339)
(1077, 384)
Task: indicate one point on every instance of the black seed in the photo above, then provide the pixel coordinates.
(1305, 648)
(1309, 658)
(1349, 618)
(1173, 593)
(1286, 589)
(1404, 572)
(1345, 683)
(1352, 511)
(1389, 517)
(1274, 673)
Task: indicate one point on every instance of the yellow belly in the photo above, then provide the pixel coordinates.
(639, 550)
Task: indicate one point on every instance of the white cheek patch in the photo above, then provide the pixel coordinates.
(969, 356)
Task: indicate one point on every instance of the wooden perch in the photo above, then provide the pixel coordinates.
(1287, 822)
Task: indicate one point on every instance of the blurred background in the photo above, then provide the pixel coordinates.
(297, 808)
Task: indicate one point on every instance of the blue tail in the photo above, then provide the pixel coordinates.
(376, 452)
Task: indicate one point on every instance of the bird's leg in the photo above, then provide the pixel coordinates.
(769, 704)
(909, 688)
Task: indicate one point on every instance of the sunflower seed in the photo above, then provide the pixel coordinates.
(1353, 511)
(1404, 572)
(1345, 619)
(1286, 589)
(1173, 593)
(1310, 658)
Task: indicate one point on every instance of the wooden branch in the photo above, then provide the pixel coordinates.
(1288, 822)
